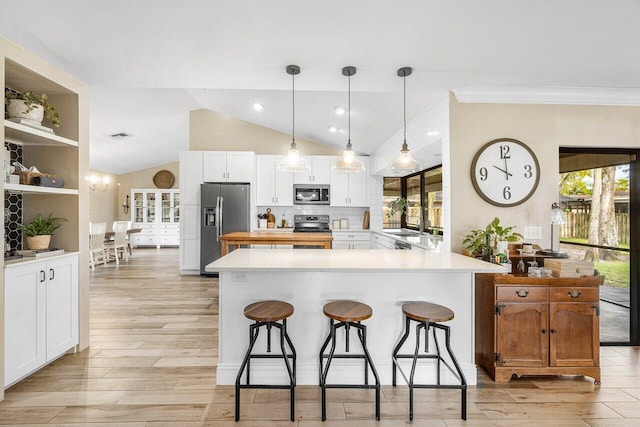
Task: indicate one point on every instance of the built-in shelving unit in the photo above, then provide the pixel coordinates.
(64, 153)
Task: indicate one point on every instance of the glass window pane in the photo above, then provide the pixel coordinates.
(391, 191)
(413, 199)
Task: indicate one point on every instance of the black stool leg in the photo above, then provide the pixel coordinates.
(413, 369)
(253, 335)
(290, 370)
(394, 355)
(439, 359)
(322, 349)
(463, 380)
(323, 378)
(363, 341)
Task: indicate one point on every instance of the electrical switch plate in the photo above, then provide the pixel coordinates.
(239, 276)
(533, 233)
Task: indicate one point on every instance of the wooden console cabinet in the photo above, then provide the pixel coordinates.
(537, 326)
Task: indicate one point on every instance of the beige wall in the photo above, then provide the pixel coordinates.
(141, 179)
(212, 131)
(102, 204)
(544, 128)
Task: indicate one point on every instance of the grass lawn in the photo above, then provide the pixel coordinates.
(616, 273)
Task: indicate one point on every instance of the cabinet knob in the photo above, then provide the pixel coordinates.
(553, 331)
(544, 331)
(522, 293)
(574, 293)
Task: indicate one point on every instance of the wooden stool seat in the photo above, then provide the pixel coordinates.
(427, 312)
(347, 311)
(268, 311)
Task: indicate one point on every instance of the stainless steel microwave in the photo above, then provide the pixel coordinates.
(310, 194)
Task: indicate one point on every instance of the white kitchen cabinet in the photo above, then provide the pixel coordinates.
(351, 240)
(157, 214)
(190, 177)
(41, 313)
(320, 172)
(190, 239)
(382, 242)
(228, 166)
(273, 188)
(350, 189)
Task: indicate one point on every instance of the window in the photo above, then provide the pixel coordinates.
(391, 191)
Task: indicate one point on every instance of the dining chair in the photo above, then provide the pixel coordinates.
(119, 243)
(97, 250)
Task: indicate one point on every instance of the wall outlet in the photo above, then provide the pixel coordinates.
(239, 276)
(533, 233)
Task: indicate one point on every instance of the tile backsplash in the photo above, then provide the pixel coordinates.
(354, 215)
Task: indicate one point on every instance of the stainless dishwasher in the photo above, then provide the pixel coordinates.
(404, 246)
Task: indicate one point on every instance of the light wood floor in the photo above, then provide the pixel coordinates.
(152, 363)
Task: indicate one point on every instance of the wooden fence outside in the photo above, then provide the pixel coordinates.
(578, 226)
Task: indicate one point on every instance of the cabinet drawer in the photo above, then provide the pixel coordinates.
(522, 293)
(355, 235)
(574, 294)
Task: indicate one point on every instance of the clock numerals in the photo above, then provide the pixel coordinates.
(484, 174)
(504, 152)
(506, 193)
(528, 171)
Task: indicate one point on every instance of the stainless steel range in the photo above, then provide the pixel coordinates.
(311, 224)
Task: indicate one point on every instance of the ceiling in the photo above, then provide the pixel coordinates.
(149, 62)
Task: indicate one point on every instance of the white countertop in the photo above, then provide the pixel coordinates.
(364, 260)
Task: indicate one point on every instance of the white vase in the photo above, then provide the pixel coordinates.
(17, 107)
(503, 245)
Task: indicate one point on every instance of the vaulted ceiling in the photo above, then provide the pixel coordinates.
(149, 62)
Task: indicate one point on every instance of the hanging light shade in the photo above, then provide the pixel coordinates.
(348, 162)
(404, 163)
(293, 162)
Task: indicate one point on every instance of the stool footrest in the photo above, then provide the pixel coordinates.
(270, 356)
(345, 356)
(367, 386)
(279, 387)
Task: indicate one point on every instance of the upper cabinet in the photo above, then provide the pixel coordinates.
(274, 188)
(350, 189)
(320, 172)
(190, 177)
(228, 166)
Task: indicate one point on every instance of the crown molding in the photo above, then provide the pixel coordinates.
(549, 95)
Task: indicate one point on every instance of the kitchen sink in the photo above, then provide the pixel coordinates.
(403, 233)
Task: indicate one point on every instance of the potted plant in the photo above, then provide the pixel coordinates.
(38, 232)
(487, 240)
(30, 107)
(398, 205)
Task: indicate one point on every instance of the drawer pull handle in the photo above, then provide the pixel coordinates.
(544, 331)
(575, 293)
(553, 331)
(522, 293)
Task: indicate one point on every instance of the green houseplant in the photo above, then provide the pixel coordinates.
(29, 106)
(398, 205)
(483, 240)
(38, 232)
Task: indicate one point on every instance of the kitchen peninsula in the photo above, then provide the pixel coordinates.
(309, 278)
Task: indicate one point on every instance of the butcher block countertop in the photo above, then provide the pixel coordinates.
(238, 238)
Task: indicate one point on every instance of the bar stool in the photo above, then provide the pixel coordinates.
(349, 314)
(268, 313)
(428, 315)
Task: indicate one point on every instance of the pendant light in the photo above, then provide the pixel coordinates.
(404, 163)
(348, 162)
(293, 162)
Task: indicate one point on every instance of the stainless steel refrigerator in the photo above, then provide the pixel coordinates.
(225, 208)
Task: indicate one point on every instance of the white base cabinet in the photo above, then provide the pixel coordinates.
(351, 240)
(157, 214)
(41, 314)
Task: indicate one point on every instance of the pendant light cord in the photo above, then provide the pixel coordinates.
(404, 105)
(349, 102)
(293, 113)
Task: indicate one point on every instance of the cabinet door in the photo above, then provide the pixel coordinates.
(359, 186)
(283, 186)
(190, 238)
(165, 207)
(575, 334)
(214, 166)
(176, 208)
(151, 206)
(361, 244)
(522, 334)
(341, 244)
(321, 169)
(137, 212)
(62, 305)
(305, 177)
(190, 177)
(240, 165)
(24, 320)
(265, 181)
(339, 188)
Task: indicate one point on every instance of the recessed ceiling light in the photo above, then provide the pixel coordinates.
(433, 133)
(257, 106)
(340, 110)
(333, 129)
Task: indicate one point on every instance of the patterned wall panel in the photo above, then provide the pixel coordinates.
(13, 206)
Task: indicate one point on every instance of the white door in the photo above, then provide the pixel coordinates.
(190, 238)
(62, 305)
(190, 177)
(239, 166)
(214, 167)
(306, 176)
(283, 185)
(266, 180)
(358, 186)
(339, 192)
(24, 320)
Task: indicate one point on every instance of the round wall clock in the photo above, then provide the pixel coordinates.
(505, 172)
